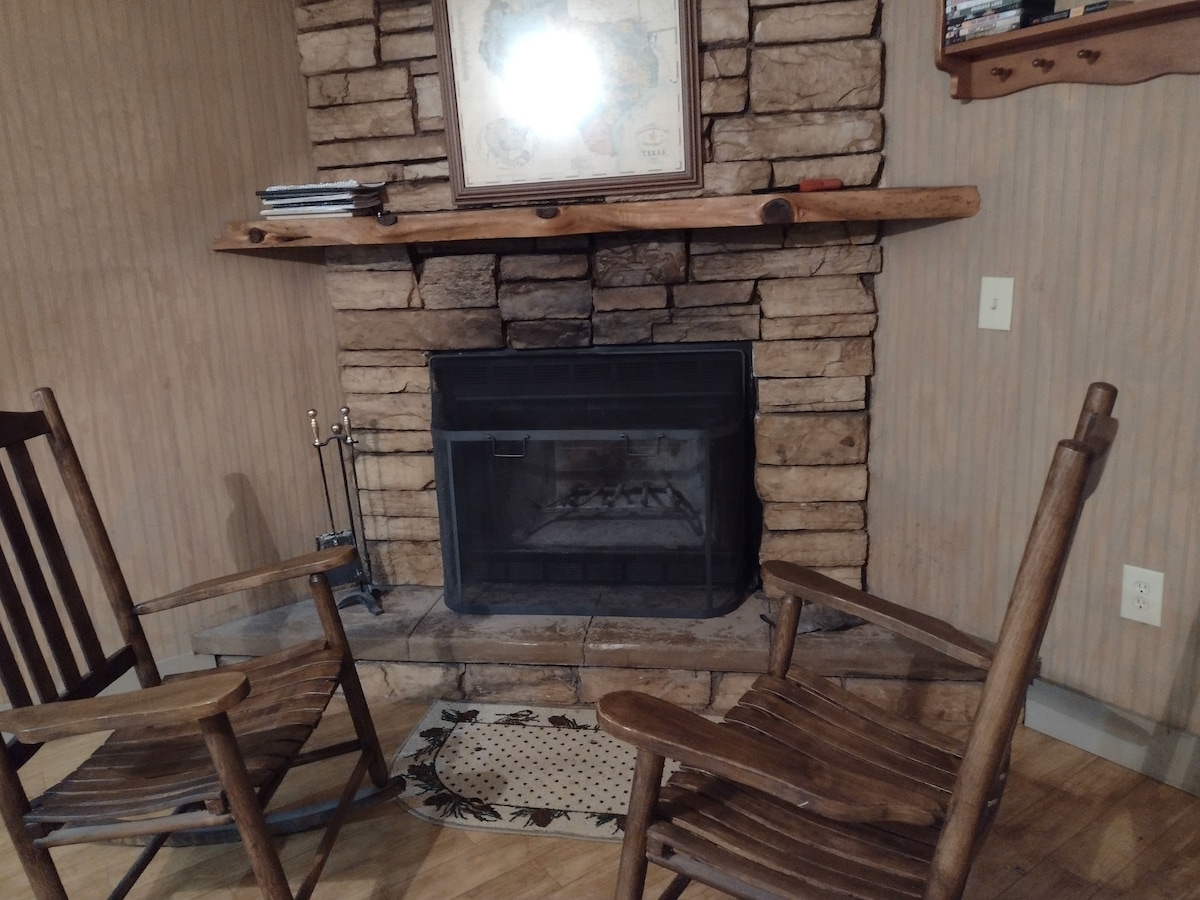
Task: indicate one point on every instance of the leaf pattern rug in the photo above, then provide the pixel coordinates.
(516, 768)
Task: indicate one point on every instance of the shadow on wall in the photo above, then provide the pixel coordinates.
(250, 541)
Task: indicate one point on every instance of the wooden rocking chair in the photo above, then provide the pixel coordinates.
(199, 752)
(805, 790)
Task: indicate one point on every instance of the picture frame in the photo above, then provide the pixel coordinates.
(550, 99)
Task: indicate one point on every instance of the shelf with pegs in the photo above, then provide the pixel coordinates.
(1122, 45)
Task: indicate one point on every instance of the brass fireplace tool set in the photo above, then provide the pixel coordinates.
(341, 435)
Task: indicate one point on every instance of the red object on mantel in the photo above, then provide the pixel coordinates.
(810, 185)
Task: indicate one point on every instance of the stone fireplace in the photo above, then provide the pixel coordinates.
(810, 372)
(790, 91)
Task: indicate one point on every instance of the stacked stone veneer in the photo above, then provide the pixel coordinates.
(790, 91)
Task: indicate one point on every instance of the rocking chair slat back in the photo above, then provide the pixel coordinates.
(46, 622)
(56, 557)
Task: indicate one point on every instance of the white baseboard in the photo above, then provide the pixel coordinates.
(1157, 751)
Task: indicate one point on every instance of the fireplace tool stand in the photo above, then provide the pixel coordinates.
(358, 573)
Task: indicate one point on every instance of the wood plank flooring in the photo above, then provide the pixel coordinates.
(1071, 827)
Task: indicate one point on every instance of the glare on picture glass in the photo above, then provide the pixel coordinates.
(552, 81)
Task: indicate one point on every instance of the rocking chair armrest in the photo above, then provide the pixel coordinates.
(318, 561)
(178, 703)
(928, 630)
(758, 762)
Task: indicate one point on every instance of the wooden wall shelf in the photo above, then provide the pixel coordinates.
(870, 204)
(1124, 45)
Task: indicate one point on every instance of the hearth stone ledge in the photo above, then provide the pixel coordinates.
(419, 650)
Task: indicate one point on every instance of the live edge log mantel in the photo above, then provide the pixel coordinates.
(855, 205)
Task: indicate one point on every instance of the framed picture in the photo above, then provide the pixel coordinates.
(546, 99)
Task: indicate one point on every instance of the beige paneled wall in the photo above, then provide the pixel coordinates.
(130, 131)
(1091, 200)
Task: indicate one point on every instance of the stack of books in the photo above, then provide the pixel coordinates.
(970, 19)
(330, 200)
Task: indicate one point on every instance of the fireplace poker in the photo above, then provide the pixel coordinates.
(318, 443)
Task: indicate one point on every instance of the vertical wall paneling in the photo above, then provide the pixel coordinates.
(130, 132)
(1091, 201)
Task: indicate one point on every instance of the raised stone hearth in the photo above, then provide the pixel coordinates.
(420, 650)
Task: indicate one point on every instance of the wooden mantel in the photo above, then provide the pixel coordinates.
(853, 205)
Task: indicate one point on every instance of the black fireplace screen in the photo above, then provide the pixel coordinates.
(594, 482)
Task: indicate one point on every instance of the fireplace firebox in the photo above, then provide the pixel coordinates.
(605, 481)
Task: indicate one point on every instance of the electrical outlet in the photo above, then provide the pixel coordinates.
(995, 303)
(1142, 595)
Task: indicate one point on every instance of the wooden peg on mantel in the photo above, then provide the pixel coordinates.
(854, 205)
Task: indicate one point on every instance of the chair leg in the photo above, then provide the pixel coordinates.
(364, 725)
(39, 867)
(676, 888)
(244, 805)
(134, 872)
(331, 831)
(356, 700)
(647, 779)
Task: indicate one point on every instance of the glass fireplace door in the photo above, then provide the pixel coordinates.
(592, 520)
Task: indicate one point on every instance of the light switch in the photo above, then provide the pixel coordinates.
(995, 303)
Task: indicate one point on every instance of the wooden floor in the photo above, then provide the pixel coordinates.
(1072, 826)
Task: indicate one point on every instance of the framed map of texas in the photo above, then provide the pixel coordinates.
(545, 99)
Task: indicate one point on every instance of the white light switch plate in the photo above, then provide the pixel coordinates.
(995, 303)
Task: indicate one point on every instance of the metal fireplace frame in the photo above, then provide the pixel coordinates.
(507, 414)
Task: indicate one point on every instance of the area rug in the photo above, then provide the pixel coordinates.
(515, 768)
